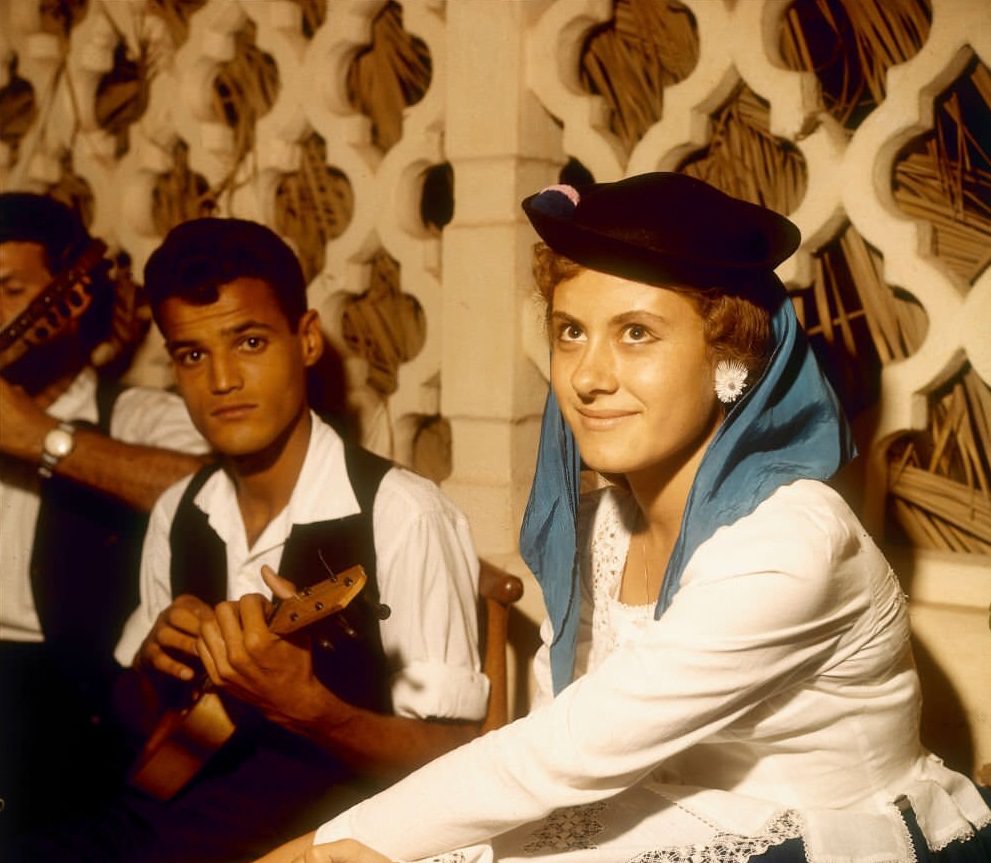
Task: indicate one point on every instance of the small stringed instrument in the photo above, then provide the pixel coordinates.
(184, 739)
(66, 298)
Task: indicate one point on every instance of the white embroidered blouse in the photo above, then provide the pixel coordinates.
(775, 698)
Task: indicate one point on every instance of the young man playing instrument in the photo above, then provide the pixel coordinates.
(289, 496)
(81, 462)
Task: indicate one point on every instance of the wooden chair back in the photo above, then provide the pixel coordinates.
(498, 590)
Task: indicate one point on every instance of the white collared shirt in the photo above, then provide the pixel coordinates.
(141, 415)
(427, 572)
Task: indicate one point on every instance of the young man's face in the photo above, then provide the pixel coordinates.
(239, 366)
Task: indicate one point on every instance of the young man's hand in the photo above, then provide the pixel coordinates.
(175, 632)
(245, 658)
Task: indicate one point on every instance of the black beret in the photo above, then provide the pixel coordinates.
(29, 218)
(663, 228)
(218, 250)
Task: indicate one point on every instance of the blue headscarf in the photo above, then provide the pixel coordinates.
(789, 426)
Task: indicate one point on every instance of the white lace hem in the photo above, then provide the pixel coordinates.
(730, 847)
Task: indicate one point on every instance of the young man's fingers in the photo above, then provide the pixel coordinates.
(163, 662)
(187, 613)
(253, 609)
(282, 588)
(229, 633)
(169, 636)
(206, 657)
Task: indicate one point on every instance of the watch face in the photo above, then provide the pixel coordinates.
(59, 442)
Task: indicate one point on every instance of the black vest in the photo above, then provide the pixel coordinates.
(84, 570)
(353, 668)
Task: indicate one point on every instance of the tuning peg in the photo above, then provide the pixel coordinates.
(345, 625)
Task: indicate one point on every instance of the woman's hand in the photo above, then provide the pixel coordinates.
(343, 851)
(302, 850)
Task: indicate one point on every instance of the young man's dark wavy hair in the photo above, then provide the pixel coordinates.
(198, 257)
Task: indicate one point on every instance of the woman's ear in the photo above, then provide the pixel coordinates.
(311, 338)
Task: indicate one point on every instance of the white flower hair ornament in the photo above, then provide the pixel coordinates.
(730, 380)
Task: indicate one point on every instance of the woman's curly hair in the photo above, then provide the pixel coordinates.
(736, 324)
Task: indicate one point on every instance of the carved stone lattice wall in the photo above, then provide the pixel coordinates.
(404, 207)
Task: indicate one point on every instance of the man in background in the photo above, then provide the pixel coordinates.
(324, 716)
(82, 459)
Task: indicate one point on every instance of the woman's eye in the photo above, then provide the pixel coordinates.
(637, 333)
(570, 333)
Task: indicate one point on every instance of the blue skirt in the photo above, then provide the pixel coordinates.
(976, 849)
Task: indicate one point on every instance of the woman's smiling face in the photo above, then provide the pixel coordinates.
(632, 373)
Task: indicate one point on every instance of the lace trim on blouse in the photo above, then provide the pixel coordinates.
(572, 828)
(730, 847)
(613, 622)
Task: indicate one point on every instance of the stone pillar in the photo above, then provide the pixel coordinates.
(502, 146)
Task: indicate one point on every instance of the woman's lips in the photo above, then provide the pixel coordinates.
(602, 419)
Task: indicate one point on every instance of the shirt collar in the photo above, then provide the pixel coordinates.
(323, 492)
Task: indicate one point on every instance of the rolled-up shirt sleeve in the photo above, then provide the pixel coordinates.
(154, 579)
(427, 572)
(154, 417)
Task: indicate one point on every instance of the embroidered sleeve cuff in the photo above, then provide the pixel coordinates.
(431, 689)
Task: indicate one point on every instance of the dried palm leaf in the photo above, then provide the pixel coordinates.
(645, 47)
(73, 190)
(314, 14)
(18, 110)
(384, 325)
(392, 73)
(313, 205)
(244, 89)
(175, 14)
(122, 94)
(953, 458)
(60, 16)
(956, 513)
(745, 160)
(180, 194)
(850, 45)
(945, 178)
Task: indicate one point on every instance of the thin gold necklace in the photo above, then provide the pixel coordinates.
(646, 574)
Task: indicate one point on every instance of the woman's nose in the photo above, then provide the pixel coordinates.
(595, 371)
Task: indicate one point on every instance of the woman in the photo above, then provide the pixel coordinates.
(727, 648)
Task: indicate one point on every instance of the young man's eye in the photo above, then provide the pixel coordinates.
(187, 358)
(253, 343)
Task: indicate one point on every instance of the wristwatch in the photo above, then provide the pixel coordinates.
(58, 443)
